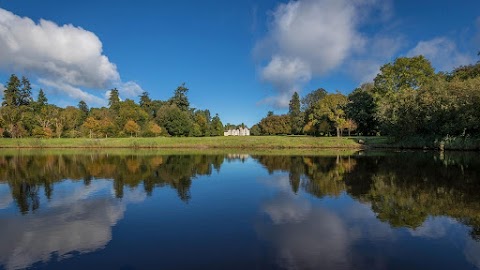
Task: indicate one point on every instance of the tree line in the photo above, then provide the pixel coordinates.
(406, 98)
(23, 116)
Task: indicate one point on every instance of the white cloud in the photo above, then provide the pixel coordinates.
(309, 38)
(365, 65)
(68, 57)
(73, 92)
(442, 52)
(2, 88)
(129, 89)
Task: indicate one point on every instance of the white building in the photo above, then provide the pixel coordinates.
(237, 132)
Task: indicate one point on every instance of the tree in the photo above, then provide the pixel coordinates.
(275, 125)
(180, 99)
(41, 99)
(175, 121)
(129, 110)
(83, 107)
(147, 105)
(350, 125)
(91, 124)
(296, 117)
(361, 108)
(395, 90)
(331, 108)
(25, 93)
(131, 127)
(309, 101)
(12, 91)
(153, 129)
(255, 130)
(216, 126)
(114, 100)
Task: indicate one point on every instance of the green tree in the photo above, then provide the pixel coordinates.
(25, 93)
(255, 130)
(312, 98)
(395, 90)
(216, 126)
(41, 99)
(84, 110)
(295, 114)
(361, 108)
(276, 125)
(114, 100)
(332, 108)
(175, 121)
(12, 91)
(180, 98)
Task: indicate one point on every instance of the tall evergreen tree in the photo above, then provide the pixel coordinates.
(114, 100)
(83, 107)
(12, 91)
(25, 93)
(42, 99)
(217, 126)
(180, 98)
(296, 117)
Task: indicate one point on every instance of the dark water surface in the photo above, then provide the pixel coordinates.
(370, 210)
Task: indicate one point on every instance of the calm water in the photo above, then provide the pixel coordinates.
(151, 211)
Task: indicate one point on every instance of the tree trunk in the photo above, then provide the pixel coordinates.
(338, 132)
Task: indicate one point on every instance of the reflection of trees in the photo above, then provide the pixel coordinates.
(27, 175)
(403, 188)
(320, 176)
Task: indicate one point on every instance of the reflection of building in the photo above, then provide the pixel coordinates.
(237, 132)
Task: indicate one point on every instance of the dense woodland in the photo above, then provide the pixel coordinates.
(407, 98)
(22, 116)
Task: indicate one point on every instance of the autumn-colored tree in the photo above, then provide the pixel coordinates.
(131, 127)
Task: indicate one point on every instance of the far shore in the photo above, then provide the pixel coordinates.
(244, 143)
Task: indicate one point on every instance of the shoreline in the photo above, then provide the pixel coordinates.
(263, 143)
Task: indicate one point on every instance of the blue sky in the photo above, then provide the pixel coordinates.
(239, 58)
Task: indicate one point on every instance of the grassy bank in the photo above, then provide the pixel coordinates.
(252, 142)
(262, 143)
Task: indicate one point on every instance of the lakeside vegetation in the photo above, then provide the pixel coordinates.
(248, 142)
(408, 105)
(407, 101)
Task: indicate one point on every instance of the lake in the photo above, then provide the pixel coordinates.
(325, 210)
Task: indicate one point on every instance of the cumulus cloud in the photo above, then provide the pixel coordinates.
(442, 52)
(68, 57)
(365, 65)
(2, 88)
(309, 38)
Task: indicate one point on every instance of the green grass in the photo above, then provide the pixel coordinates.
(249, 142)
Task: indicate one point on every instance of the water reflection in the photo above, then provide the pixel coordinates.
(403, 189)
(77, 221)
(329, 212)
